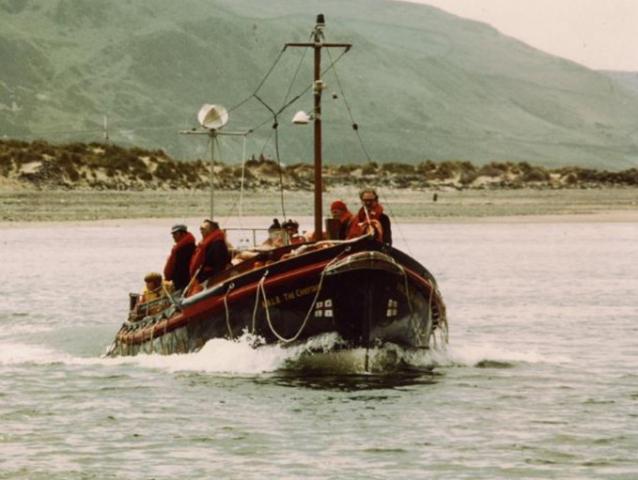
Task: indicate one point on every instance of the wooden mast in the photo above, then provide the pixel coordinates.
(318, 86)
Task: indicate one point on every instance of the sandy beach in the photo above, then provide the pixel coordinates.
(18, 207)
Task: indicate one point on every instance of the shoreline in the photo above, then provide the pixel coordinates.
(262, 221)
(403, 206)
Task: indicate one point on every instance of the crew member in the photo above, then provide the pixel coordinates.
(177, 268)
(211, 255)
(154, 289)
(371, 218)
(275, 236)
(292, 230)
(340, 212)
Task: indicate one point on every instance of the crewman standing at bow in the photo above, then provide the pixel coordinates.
(371, 218)
(211, 255)
(178, 263)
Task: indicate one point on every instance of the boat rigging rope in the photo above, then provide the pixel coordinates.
(281, 177)
(262, 290)
(242, 181)
(252, 330)
(295, 98)
(275, 126)
(261, 83)
(151, 340)
(397, 224)
(294, 77)
(441, 323)
(406, 285)
(228, 290)
(355, 125)
(275, 114)
(430, 313)
(239, 203)
(170, 297)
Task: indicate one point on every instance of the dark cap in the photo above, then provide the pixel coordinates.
(275, 225)
(179, 228)
(290, 224)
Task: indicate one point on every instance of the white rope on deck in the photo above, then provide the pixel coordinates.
(261, 289)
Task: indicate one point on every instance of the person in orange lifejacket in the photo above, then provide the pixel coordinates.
(155, 288)
(340, 212)
(211, 255)
(177, 268)
(292, 230)
(371, 218)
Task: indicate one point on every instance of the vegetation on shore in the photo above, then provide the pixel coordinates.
(94, 166)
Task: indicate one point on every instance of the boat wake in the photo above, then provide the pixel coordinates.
(494, 356)
(323, 354)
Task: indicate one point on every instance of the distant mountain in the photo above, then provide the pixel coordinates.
(422, 84)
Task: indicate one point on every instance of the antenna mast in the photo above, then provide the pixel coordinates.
(212, 118)
(318, 86)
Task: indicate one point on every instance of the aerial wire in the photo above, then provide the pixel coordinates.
(355, 127)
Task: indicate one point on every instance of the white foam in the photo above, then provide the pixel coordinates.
(472, 355)
(221, 356)
(241, 357)
(11, 330)
(20, 353)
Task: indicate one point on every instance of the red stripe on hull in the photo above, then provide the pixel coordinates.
(214, 304)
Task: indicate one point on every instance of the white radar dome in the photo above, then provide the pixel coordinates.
(212, 117)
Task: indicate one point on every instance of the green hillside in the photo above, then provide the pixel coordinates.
(628, 80)
(422, 84)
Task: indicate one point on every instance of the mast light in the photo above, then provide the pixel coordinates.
(301, 118)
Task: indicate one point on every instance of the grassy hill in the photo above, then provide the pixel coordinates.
(422, 84)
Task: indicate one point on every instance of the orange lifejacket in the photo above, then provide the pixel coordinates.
(345, 223)
(297, 239)
(199, 256)
(361, 226)
(170, 267)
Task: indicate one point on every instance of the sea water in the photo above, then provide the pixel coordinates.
(540, 378)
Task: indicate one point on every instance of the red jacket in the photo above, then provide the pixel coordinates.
(177, 268)
(379, 222)
(345, 222)
(211, 256)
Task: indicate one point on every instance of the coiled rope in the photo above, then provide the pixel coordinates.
(261, 289)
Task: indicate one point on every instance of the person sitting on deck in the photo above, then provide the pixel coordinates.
(275, 236)
(292, 230)
(371, 218)
(177, 268)
(340, 212)
(211, 255)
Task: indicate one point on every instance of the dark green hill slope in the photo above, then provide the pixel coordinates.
(422, 84)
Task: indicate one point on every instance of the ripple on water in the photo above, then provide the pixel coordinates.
(530, 386)
(493, 364)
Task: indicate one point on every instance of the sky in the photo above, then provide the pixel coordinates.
(600, 34)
